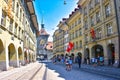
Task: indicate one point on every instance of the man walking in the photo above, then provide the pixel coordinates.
(79, 58)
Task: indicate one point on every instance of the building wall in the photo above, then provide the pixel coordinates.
(103, 38)
(12, 28)
(98, 18)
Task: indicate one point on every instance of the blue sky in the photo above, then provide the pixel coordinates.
(53, 11)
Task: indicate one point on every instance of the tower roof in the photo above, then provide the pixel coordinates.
(43, 32)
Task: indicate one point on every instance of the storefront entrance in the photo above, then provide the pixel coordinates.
(111, 54)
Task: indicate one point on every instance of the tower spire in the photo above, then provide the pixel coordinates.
(42, 24)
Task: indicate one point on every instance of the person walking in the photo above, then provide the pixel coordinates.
(67, 63)
(79, 58)
(70, 63)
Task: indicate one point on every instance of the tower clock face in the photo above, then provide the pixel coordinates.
(42, 41)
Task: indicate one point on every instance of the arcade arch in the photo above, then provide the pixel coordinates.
(12, 55)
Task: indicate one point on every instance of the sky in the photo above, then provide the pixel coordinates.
(52, 12)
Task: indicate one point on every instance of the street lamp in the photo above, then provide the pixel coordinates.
(65, 2)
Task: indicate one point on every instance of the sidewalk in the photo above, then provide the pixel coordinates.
(4, 74)
(102, 70)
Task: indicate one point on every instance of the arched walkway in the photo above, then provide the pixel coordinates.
(25, 57)
(2, 52)
(30, 57)
(12, 55)
(2, 56)
(87, 56)
(20, 55)
(97, 51)
(111, 54)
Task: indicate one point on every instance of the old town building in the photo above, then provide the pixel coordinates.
(93, 27)
(18, 27)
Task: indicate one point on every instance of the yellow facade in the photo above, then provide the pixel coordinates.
(75, 31)
(13, 25)
(100, 15)
(94, 31)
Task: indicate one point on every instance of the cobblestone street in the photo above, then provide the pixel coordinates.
(49, 71)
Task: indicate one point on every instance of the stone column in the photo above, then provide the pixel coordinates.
(7, 60)
(117, 53)
(105, 51)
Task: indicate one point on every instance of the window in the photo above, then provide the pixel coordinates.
(79, 20)
(109, 29)
(3, 19)
(17, 10)
(85, 26)
(80, 44)
(91, 5)
(73, 35)
(15, 29)
(80, 32)
(76, 44)
(77, 33)
(98, 17)
(97, 2)
(92, 21)
(85, 11)
(99, 33)
(11, 25)
(13, 5)
(19, 32)
(76, 23)
(20, 14)
(86, 38)
(107, 10)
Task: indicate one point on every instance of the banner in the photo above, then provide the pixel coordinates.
(92, 32)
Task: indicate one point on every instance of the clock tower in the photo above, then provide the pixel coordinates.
(42, 40)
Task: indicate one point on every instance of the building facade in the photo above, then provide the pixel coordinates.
(101, 16)
(94, 30)
(16, 30)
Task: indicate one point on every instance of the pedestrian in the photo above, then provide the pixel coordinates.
(67, 63)
(79, 58)
(70, 63)
(101, 60)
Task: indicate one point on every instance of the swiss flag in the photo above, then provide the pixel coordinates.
(70, 46)
(92, 32)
